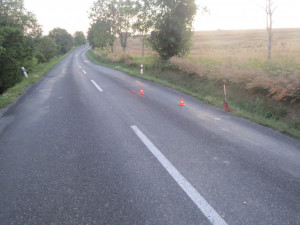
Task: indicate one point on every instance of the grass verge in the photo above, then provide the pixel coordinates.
(14, 92)
(253, 106)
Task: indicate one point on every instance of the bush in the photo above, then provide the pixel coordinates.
(16, 52)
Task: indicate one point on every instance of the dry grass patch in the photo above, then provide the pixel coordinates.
(238, 57)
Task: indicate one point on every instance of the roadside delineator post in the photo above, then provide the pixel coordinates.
(24, 71)
(181, 102)
(225, 104)
(142, 69)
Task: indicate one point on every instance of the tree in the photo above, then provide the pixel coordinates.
(18, 31)
(104, 10)
(79, 38)
(173, 28)
(46, 49)
(127, 10)
(90, 36)
(99, 35)
(269, 13)
(118, 14)
(63, 39)
(2, 49)
(269, 10)
(16, 52)
(14, 14)
(145, 19)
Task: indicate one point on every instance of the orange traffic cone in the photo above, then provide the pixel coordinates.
(142, 91)
(181, 102)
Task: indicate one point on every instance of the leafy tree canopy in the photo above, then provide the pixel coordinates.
(14, 14)
(119, 14)
(46, 48)
(22, 44)
(173, 27)
(16, 52)
(100, 35)
(79, 38)
(169, 21)
(63, 39)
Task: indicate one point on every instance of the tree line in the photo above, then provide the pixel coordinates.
(23, 45)
(165, 24)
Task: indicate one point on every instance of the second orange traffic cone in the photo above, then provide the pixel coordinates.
(181, 102)
(141, 91)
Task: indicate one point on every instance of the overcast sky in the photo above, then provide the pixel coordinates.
(224, 14)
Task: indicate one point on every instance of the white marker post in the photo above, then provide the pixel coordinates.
(24, 71)
(142, 69)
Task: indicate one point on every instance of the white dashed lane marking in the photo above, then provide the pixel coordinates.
(97, 86)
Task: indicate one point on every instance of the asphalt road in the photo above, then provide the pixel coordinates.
(82, 146)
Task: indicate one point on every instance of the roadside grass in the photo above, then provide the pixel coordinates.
(240, 57)
(14, 92)
(207, 86)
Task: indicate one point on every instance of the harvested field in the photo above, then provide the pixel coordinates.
(236, 44)
(240, 57)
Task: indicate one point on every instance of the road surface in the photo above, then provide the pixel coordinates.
(82, 146)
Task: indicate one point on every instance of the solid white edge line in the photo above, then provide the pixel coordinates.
(97, 86)
(194, 195)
